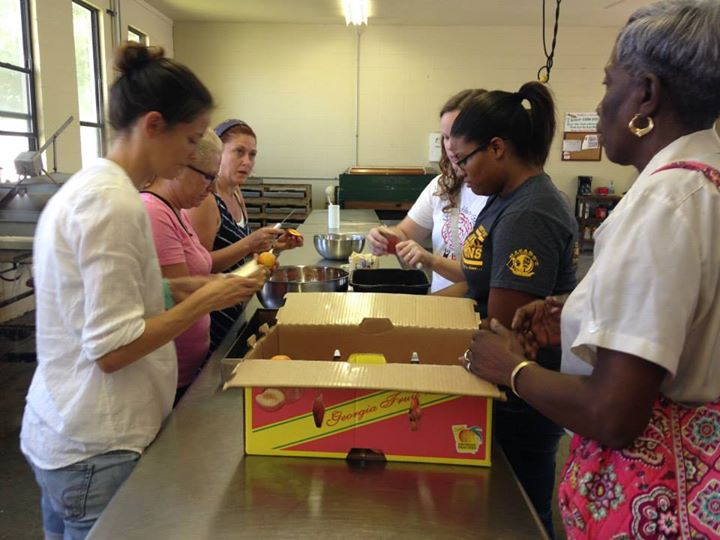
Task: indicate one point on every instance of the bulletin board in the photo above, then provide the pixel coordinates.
(581, 146)
(580, 138)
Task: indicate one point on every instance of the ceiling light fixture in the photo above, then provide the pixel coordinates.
(356, 12)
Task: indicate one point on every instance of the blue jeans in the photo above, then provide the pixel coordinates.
(73, 497)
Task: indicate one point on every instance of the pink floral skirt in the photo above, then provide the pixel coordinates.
(665, 485)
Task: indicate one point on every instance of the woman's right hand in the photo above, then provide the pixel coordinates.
(414, 255)
(230, 290)
(380, 240)
(538, 324)
(263, 239)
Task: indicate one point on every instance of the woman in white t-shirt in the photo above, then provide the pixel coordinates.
(446, 209)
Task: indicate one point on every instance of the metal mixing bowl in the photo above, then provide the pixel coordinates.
(338, 247)
(301, 279)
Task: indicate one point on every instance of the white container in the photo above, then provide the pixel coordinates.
(334, 216)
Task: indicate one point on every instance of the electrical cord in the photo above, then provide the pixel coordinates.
(543, 74)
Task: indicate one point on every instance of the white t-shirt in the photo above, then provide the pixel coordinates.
(653, 289)
(428, 213)
(96, 279)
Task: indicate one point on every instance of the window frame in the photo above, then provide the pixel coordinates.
(29, 71)
(98, 70)
(133, 30)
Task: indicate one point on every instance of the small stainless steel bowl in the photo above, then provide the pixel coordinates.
(338, 247)
(301, 279)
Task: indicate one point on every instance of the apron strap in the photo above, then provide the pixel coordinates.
(709, 172)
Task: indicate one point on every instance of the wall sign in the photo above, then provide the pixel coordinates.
(580, 139)
(581, 121)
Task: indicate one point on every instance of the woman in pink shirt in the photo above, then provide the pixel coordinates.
(180, 253)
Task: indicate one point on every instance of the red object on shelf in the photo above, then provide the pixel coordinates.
(602, 191)
(601, 212)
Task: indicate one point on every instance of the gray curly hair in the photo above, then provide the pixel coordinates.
(207, 152)
(679, 42)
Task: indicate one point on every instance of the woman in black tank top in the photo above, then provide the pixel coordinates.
(222, 220)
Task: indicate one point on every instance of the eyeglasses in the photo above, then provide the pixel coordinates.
(462, 162)
(209, 177)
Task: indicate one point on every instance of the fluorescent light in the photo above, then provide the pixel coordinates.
(356, 12)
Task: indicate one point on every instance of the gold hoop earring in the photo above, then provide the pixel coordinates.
(640, 132)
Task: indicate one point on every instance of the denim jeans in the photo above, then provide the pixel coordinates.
(73, 497)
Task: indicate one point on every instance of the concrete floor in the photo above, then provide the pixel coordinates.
(20, 501)
(19, 504)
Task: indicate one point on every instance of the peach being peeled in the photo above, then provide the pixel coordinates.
(267, 259)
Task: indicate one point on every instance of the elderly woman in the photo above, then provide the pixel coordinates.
(446, 211)
(640, 332)
(180, 253)
(222, 222)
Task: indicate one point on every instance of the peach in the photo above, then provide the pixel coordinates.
(267, 259)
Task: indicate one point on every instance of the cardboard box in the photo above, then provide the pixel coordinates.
(367, 407)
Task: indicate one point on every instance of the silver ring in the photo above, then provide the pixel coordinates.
(467, 356)
(468, 366)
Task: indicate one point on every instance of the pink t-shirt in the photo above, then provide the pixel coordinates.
(174, 245)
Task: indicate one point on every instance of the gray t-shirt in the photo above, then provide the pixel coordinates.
(525, 241)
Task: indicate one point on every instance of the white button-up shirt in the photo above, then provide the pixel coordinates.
(653, 289)
(96, 279)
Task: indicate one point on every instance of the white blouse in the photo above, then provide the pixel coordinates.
(653, 290)
(96, 279)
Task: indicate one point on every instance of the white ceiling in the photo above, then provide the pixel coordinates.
(611, 13)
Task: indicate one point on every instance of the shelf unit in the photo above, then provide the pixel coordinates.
(590, 212)
(271, 203)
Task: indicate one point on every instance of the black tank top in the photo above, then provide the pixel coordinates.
(229, 233)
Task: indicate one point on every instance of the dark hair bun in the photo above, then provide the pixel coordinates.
(131, 56)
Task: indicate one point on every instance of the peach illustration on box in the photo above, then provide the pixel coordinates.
(467, 438)
(273, 399)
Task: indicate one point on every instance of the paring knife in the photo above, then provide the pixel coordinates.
(278, 225)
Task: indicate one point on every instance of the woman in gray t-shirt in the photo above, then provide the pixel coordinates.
(522, 247)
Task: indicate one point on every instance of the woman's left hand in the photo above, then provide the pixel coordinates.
(413, 254)
(288, 241)
(493, 354)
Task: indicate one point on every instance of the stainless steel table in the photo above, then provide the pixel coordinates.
(195, 482)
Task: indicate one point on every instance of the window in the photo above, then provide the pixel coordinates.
(18, 127)
(136, 35)
(89, 79)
